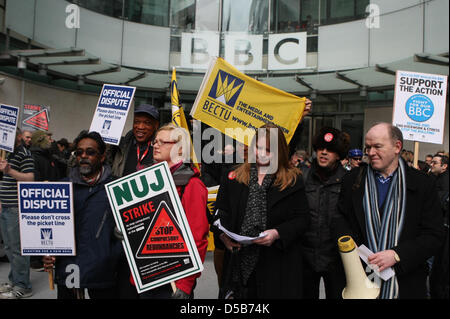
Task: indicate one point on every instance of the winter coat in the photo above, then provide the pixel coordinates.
(421, 236)
(118, 155)
(194, 196)
(45, 166)
(279, 268)
(97, 250)
(320, 247)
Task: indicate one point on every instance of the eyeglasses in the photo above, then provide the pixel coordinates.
(357, 158)
(88, 152)
(162, 143)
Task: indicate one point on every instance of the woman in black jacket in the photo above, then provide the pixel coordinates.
(264, 195)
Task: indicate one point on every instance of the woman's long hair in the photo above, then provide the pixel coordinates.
(285, 175)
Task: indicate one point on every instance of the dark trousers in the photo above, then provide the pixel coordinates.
(161, 292)
(125, 289)
(334, 281)
(65, 293)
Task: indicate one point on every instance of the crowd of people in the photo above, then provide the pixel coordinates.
(297, 212)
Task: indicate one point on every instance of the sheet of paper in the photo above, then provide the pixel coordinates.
(245, 240)
(364, 253)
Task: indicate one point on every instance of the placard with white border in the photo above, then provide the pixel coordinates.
(112, 111)
(157, 241)
(46, 218)
(419, 106)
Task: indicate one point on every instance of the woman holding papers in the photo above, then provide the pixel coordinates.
(265, 198)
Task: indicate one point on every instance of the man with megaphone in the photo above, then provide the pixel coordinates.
(394, 211)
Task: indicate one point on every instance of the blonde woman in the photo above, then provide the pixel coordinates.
(172, 144)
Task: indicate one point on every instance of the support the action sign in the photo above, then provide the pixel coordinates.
(157, 239)
(419, 106)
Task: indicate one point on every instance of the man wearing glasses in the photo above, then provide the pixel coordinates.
(355, 156)
(98, 251)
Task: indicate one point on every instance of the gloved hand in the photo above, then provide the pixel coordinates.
(180, 294)
(117, 233)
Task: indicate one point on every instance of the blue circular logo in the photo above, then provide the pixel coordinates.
(419, 108)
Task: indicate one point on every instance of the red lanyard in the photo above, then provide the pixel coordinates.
(139, 159)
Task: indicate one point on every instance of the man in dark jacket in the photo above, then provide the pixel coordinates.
(322, 186)
(394, 211)
(135, 151)
(439, 168)
(95, 265)
(439, 276)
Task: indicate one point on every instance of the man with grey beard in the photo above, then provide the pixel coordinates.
(98, 250)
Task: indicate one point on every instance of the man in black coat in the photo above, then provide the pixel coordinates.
(439, 168)
(439, 276)
(394, 211)
(322, 186)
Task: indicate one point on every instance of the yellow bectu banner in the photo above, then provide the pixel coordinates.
(237, 104)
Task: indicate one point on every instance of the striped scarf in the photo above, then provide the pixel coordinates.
(384, 232)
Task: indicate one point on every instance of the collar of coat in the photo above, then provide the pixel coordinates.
(274, 194)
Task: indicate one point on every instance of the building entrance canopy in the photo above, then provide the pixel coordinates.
(79, 65)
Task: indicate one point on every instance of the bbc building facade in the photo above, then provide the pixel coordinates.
(342, 54)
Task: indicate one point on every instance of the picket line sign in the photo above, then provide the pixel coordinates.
(8, 124)
(46, 218)
(112, 111)
(158, 242)
(419, 106)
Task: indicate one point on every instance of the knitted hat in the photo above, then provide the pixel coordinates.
(39, 138)
(333, 140)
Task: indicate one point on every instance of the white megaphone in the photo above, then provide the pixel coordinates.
(358, 285)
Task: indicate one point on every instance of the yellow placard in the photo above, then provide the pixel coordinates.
(237, 104)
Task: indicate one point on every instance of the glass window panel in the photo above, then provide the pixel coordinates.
(310, 15)
(154, 12)
(111, 8)
(360, 7)
(207, 15)
(342, 9)
(245, 16)
(285, 16)
(182, 14)
(310, 8)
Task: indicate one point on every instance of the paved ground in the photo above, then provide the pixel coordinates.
(207, 287)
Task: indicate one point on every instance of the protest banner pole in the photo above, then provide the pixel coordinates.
(51, 283)
(2, 154)
(416, 154)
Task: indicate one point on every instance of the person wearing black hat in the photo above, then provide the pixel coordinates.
(135, 151)
(322, 186)
(133, 154)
